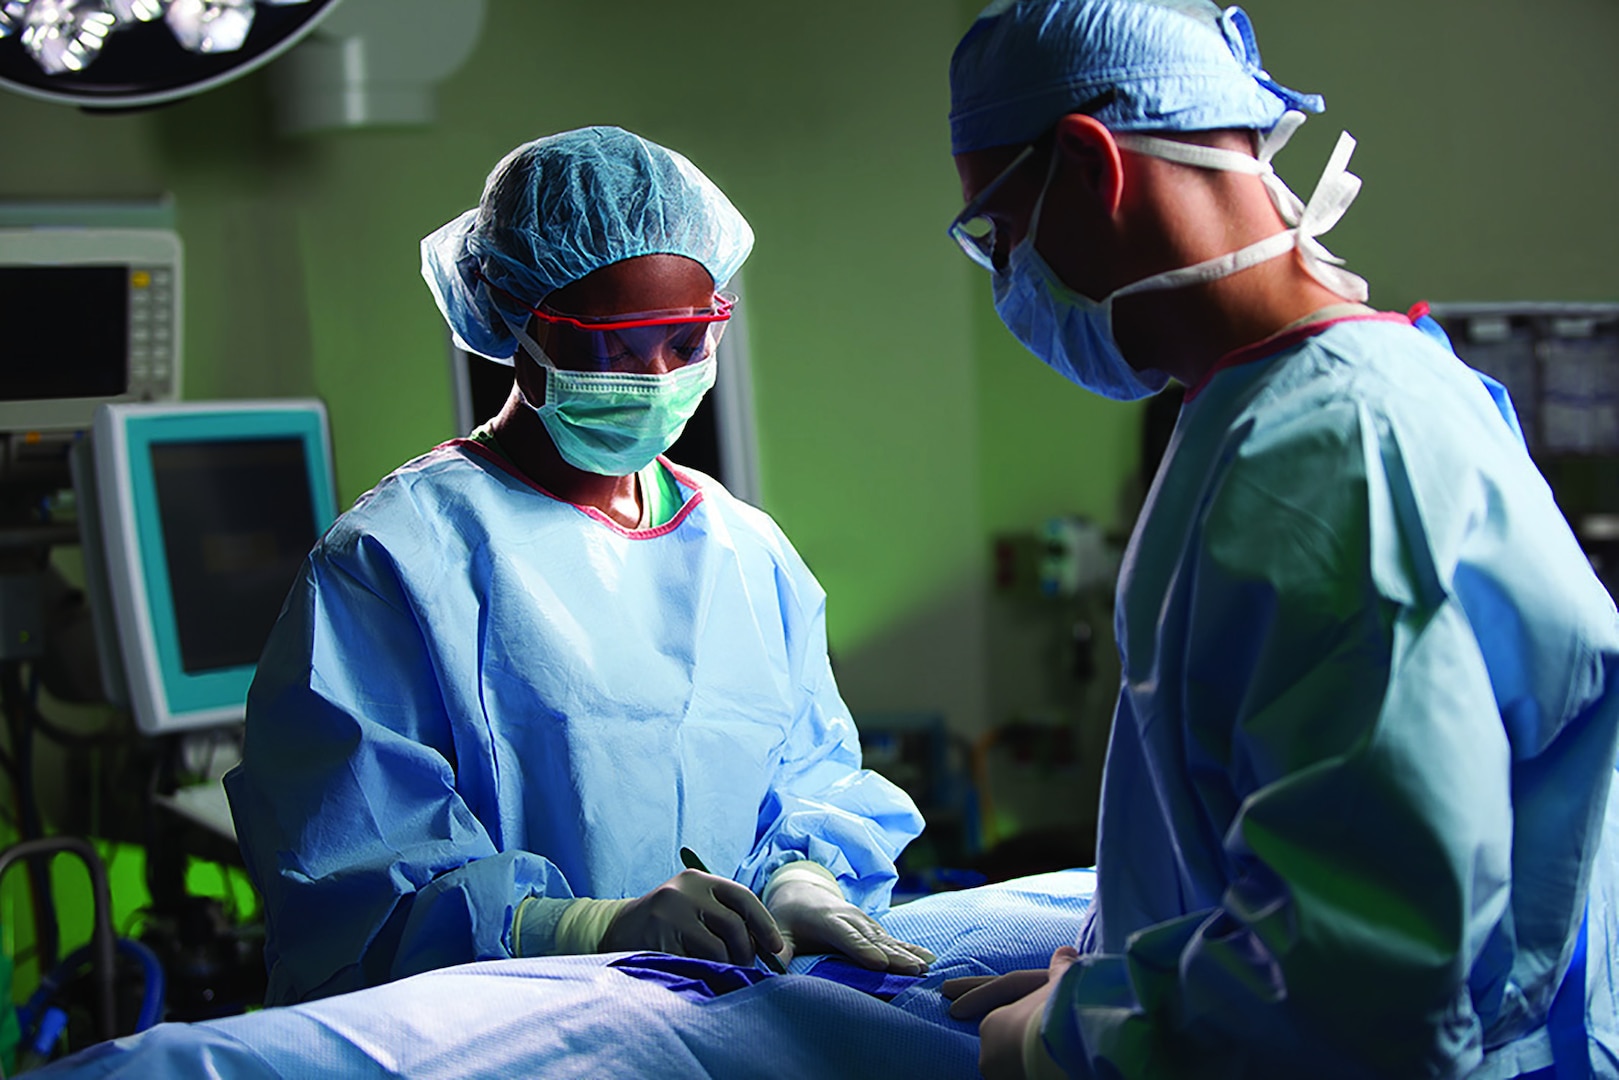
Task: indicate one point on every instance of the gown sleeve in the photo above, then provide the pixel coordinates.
(821, 805)
(1339, 719)
(370, 864)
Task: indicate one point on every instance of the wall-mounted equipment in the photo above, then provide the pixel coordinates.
(374, 62)
(1075, 556)
(87, 316)
(1560, 364)
(199, 515)
(113, 54)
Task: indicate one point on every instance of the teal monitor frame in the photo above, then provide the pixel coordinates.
(166, 697)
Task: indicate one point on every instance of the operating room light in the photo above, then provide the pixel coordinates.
(64, 36)
(133, 11)
(210, 26)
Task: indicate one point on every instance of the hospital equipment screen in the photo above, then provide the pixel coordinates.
(64, 331)
(237, 521)
(201, 516)
(87, 316)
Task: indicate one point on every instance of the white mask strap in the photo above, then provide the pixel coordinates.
(532, 347)
(1271, 143)
(1333, 193)
(1221, 266)
(1204, 157)
(1040, 200)
(1289, 205)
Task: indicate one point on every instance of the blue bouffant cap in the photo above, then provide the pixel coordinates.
(556, 209)
(1135, 65)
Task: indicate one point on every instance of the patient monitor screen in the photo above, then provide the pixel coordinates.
(237, 521)
(63, 332)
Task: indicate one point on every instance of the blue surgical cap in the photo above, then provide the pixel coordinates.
(559, 207)
(1135, 65)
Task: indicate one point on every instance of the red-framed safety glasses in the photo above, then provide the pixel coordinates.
(633, 341)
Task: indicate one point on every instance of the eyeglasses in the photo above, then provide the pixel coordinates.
(972, 228)
(630, 341)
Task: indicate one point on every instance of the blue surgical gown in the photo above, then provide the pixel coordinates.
(1356, 797)
(478, 693)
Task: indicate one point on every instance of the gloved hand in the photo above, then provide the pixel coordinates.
(808, 906)
(698, 915)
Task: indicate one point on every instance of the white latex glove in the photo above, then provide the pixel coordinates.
(694, 914)
(804, 899)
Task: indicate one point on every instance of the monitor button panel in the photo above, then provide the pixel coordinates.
(152, 332)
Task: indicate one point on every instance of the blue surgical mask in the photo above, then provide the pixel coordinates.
(615, 423)
(1073, 334)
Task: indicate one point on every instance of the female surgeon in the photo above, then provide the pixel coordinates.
(530, 666)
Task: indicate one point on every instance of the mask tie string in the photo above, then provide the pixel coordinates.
(1334, 192)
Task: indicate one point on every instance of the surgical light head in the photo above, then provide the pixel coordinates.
(1158, 65)
(558, 208)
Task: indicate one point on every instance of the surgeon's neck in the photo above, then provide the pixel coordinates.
(1185, 332)
(1173, 216)
(526, 442)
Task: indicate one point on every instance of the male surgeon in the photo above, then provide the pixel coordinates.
(1355, 816)
(531, 666)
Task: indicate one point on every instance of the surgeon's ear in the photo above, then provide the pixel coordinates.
(1091, 159)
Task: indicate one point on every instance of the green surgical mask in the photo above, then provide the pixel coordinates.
(615, 423)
